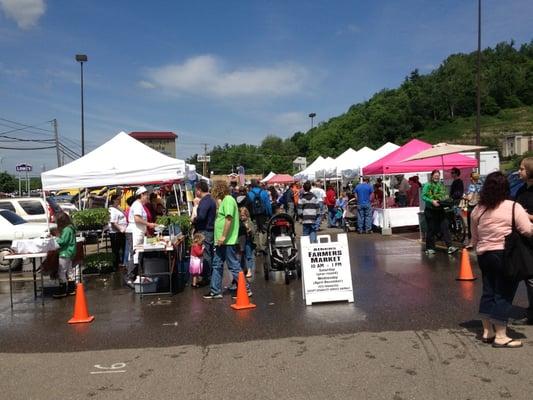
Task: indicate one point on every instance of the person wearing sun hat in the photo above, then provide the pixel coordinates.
(136, 231)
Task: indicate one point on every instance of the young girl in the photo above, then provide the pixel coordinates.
(246, 235)
(67, 252)
(197, 252)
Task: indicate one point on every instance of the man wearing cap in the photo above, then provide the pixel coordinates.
(136, 231)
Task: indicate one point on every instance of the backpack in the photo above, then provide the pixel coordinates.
(258, 208)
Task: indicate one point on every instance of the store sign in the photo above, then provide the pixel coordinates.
(326, 271)
(202, 158)
(23, 168)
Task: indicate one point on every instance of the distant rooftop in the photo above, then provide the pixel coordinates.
(153, 135)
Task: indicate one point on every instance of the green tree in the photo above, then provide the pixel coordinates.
(8, 183)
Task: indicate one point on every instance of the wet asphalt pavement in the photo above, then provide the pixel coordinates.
(396, 287)
(409, 313)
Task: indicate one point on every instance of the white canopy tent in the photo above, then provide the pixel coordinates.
(346, 164)
(122, 160)
(268, 177)
(387, 148)
(309, 172)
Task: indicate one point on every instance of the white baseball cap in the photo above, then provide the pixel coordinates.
(140, 191)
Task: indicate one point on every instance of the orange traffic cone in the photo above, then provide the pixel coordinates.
(465, 272)
(243, 302)
(81, 314)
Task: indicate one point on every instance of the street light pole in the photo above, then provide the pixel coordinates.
(81, 58)
(312, 115)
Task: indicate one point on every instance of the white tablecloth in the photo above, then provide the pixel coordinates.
(39, 245)
(396, 217)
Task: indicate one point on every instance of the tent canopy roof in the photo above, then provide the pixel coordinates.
(394, 163)
(122, 160)
(281, 178)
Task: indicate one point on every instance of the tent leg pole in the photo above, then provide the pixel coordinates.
(385, 229)
(176, 197)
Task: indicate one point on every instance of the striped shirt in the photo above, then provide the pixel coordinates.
(309, 207)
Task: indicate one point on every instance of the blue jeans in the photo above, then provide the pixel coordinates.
(498, 292)
(364, 218)
(228, 254)
(319, 216)
(332, 216)
(208, 253)
(247, 257)
(309, 230)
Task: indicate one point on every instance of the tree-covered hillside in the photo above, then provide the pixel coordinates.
(437, 107)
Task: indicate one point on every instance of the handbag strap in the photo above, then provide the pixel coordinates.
(513, 226)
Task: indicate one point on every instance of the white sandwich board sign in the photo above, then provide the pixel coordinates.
(326, 272)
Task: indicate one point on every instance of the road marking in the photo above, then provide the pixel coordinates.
(172, 324)
(105, 372)
(113, 369)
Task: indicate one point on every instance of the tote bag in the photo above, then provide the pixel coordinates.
(518, 254)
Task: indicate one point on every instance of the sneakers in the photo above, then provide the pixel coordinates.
(129, 283)
(429, 252)
(211, 295)
(452, 249)
(234, 295)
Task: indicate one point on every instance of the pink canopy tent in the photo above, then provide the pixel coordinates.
(280, 178)
(394, 163)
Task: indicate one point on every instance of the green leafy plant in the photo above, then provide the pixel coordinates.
(99, 263)
(183, 221)
(90, 219)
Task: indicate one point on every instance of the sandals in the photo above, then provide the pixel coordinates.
(488, 340)
(508, 345)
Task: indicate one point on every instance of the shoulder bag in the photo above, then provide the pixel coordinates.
(518, 254)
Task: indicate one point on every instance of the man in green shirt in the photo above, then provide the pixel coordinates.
(432, 193)
(226, 239)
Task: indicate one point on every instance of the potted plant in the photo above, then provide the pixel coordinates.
(99, 263)
(91, 219)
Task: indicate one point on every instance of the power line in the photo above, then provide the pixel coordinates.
(28, 148)
(35, 126)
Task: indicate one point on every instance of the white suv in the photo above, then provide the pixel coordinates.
(32, 209)
(14, 227)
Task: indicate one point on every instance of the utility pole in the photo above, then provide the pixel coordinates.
(478, 82)
(56, 136)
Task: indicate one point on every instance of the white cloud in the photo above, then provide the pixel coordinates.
(291, 122)
(349, 29)
(13, 72)
(24, 12)
(205, 75)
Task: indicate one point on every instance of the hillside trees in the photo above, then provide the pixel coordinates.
(420, 103)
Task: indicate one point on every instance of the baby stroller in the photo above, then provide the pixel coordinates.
(350, 215)
(282, 253)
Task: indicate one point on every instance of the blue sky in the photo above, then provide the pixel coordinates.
(219, 71)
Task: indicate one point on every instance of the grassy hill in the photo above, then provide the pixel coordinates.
(462, 130)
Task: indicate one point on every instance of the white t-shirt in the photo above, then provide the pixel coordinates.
(118, 217)
(319, 193)
(136, 209)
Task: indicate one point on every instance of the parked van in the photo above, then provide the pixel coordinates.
(31, 209)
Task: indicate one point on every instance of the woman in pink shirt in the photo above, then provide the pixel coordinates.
(491, 222)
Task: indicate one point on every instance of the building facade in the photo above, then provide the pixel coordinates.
(517, 143)
(163, 142)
